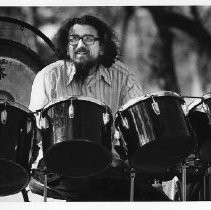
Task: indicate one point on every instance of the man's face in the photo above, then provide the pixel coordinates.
(82, 54)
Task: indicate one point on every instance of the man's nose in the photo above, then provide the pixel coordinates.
(80, 43)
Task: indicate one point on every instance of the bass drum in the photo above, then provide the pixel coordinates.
(18, 67)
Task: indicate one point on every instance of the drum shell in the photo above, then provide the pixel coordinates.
(17, 136)
(77, 143)
(17, 150)
(86, 124)
(145, 126)
(199, 117)
(155, 131)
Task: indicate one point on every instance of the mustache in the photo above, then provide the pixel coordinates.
(82, 49)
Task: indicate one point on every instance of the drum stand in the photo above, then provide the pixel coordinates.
(45, 187)
(132, 183)
(25, 195)
(184, 167)
(45, 173)
(206, 185)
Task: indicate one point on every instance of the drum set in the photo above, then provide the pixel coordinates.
(158, 133)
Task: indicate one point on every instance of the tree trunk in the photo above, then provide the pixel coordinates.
(128, 14)
(165, 67)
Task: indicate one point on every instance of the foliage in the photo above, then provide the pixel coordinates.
(168, 47)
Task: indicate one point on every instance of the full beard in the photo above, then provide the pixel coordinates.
(82, 70)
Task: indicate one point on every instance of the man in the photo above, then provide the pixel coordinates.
(88, 50)
(88, 66)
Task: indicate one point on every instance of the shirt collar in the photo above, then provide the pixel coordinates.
(70, 69)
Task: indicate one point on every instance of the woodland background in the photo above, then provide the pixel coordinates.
(168, 47)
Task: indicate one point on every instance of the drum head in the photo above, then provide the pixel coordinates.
(156, 156)
(13, 177)
(77, 158)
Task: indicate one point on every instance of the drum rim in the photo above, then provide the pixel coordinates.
(194, 104)
(148, 95)
(199, 101)
(15, 104)
(206, 96)
(74, 97)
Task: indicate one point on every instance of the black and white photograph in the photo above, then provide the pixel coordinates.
(105, 103)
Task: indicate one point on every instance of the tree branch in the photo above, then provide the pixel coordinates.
(193, 28)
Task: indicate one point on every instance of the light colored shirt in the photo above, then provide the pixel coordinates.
(113, 86)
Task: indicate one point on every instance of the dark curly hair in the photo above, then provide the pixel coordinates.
(107, 36)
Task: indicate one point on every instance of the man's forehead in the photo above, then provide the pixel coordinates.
(83, 29)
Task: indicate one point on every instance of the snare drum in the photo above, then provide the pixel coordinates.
(78, 140)
(200, 118)
(17, 139)
(155, 131)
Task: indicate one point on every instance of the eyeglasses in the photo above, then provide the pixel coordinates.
(87, 39)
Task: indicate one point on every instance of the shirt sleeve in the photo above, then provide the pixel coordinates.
(39, 96)
(131, 89)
